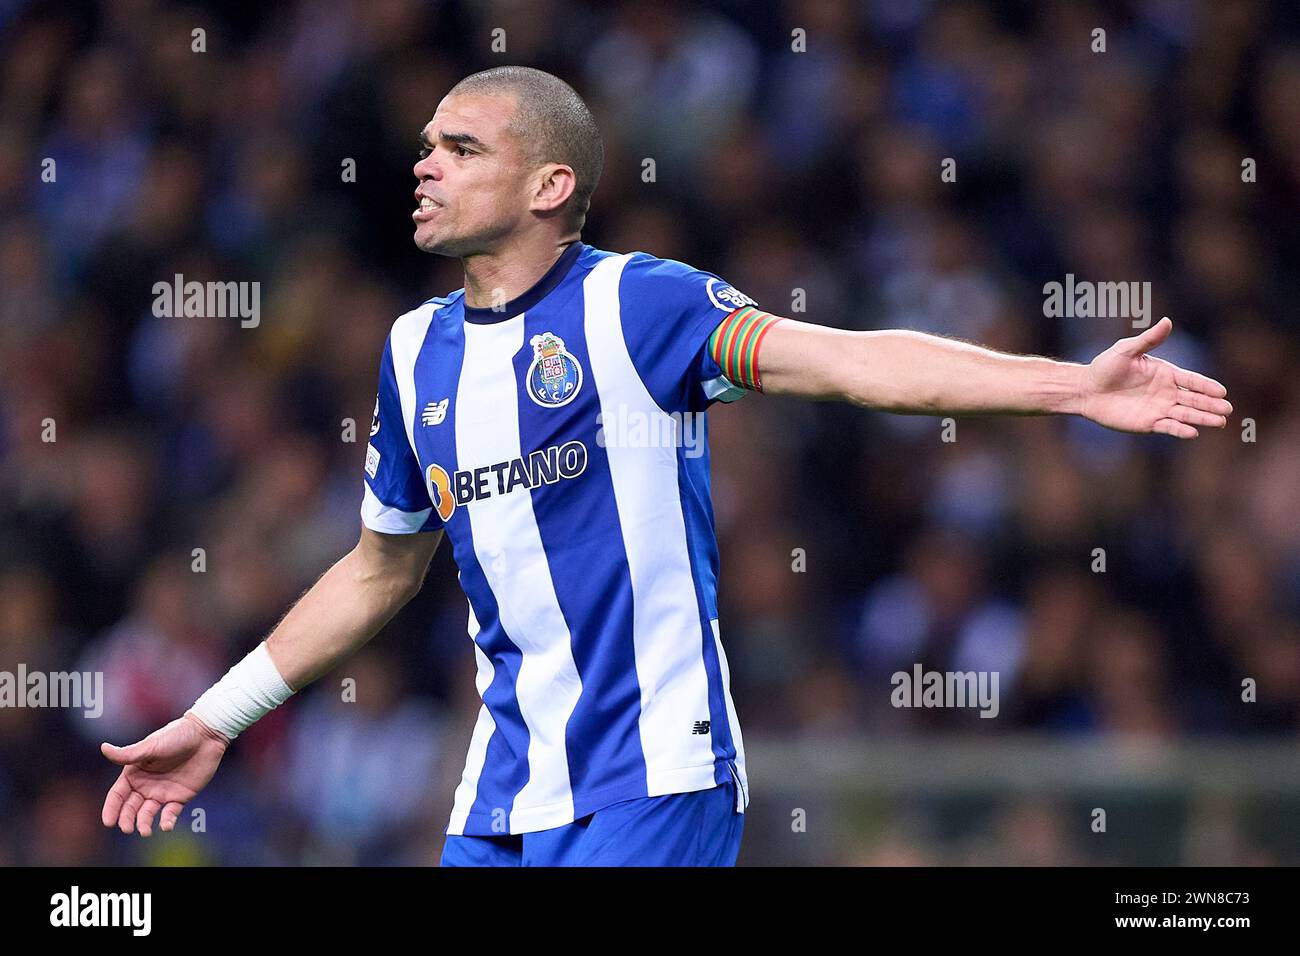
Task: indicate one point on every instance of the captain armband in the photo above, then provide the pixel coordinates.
(734, 345)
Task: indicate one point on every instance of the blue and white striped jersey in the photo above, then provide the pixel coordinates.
(550, 439)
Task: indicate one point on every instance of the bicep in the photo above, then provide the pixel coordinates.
(809, 361)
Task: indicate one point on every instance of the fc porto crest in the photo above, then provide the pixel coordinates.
(555, 375)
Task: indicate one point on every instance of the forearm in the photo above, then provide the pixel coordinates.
(344, 609)
(341, 611)
(915, 373)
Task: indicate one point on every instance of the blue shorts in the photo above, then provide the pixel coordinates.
(678, 829)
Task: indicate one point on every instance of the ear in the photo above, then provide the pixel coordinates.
(555, 184)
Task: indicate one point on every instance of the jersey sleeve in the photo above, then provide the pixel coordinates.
(670, 311)
(394, 497)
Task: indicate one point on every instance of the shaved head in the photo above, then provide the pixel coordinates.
(551, 124)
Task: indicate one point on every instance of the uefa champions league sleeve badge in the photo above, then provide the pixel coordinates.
(555, 375)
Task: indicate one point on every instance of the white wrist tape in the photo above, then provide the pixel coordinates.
(250, 689)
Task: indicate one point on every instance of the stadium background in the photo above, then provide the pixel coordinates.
(780, 171)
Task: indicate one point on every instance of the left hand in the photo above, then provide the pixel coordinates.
(163, 772)
(1128, 390)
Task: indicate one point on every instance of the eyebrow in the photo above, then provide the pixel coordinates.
(463, 139)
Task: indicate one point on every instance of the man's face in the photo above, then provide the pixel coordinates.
(473, 177)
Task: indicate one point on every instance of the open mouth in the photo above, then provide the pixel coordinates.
(425, 209)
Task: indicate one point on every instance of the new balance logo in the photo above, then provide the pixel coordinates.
(434, 412)
(701, 727)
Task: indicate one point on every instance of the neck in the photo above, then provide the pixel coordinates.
(505, 274)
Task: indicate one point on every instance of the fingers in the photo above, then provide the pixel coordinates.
(132, 753)
(1196, 382)
(1215, 406)
(144, 817)
(1149, 339)
(129, 810)
(117, 795)
(171, 813)
(126, 819)
(1167, 426)
(1194, 416)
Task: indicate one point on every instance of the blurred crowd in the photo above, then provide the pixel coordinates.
(169, 486)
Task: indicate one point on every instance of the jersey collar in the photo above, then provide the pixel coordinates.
(534, 295)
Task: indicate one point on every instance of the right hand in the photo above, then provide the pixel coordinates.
(162, 772)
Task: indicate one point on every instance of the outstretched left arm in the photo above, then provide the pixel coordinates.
(1123, 388)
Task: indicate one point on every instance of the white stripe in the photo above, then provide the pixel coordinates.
(406, 340)
(378, 516)
(484, 727)
(732, 721)
(509, 549)
(666, 634)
